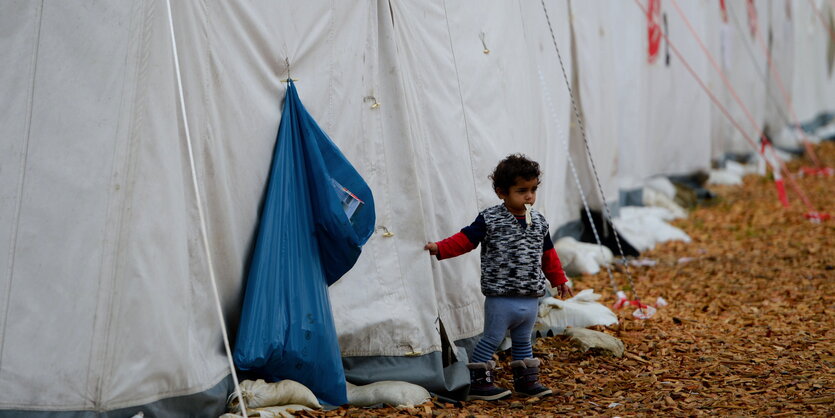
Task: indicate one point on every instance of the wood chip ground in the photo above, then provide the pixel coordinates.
(749, 329)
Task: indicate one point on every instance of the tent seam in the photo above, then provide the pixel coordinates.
(21, 182)
(205, 133)
(143, 53)
(332, 75)
(411, 138)
(378, 128)
(113, 254)
(445, 310)
(463, 108)
(387, 185)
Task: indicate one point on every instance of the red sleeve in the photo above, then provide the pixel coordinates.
(454, 246)
(552, 268)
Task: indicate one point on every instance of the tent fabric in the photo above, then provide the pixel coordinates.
(719, 37)
(742, 72)
(779, 73)
(653, 110)
(597, 95)
(105, 300)
(814, 80)
(318, 212)
(676, 114)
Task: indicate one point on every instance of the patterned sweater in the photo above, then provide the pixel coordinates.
(514, 256)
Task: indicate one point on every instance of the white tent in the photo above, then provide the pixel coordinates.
(814, 54)
(106, 300)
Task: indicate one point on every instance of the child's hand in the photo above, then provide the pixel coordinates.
(431, 247)
(564, 291)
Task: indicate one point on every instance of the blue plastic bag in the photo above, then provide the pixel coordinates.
(317, 214)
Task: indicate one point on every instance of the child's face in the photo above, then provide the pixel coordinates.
(522, 192)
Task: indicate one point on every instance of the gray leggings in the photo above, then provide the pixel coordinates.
(503, 313)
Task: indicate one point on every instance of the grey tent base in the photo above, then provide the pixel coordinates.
(209, 403)
(428, 370)
(631, 197)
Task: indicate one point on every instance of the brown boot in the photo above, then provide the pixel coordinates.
(526, 378)
(481, 382)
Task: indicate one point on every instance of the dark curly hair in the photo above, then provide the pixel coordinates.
(515, 165)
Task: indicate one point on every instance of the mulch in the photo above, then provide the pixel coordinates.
(748, 329)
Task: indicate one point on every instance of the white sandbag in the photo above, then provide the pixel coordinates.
(388, 392)
(588, 339)
(568, 257)
(580, 257)
(827, 131)
(788, 137)
(662, 185)
(739, 168)
(580, 311)
(732, 174)
(644, 227)
(585, 295)
(724, 177)
(791, 137)
(654, 198)
(259, 394)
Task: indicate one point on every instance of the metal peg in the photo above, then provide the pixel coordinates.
(374, 105)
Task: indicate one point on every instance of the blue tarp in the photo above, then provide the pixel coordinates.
(317, 214)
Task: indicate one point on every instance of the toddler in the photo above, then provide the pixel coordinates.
(516, 250)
